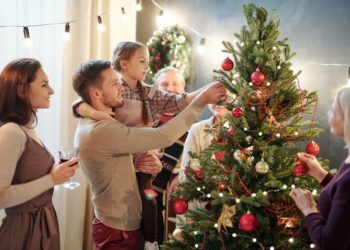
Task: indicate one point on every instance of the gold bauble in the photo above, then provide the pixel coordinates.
(262, 167)
(178, 235)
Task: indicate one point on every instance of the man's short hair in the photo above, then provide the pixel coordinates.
(89, 75)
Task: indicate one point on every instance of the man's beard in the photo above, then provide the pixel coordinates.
(112, 103)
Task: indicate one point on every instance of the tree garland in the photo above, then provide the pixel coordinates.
(169, 47)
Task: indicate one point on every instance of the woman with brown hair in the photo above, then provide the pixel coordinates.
(27, 171)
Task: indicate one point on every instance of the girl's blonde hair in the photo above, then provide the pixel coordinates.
(124, 51)
(343, 102)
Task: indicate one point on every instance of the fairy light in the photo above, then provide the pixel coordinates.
(234, 235)
(195, 232)
(160, 18)
(100, 26)
(124, 16)
(27, 40)
(291, 240)
(66, 35)
(209, 195)
(198, 189)
(314, 192)
(139, 6)
(201, 46)
(196, 245)
(216, 225)
(221, 195)
(312, 245)
(238, 200)
(254, 240)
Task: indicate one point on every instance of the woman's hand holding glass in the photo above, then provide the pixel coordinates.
(61, 173)
(69, 154)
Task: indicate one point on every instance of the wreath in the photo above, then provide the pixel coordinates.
(169, 47)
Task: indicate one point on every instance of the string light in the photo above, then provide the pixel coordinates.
(100, 26)
(66, 35)
(27, 40)
(160, 18)
(124, 16)
(349, 76)
(201, 46)
(139, 6)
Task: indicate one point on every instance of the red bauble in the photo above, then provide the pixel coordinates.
(199, 174)
(227, 64)
(230, 131)
(248, 222)
(180, 206)
(312, 148)
(237, 112)
(257, 78)
(221, 140)
(219, 156)
(300, 169)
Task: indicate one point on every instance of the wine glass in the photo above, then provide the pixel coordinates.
(66, 154)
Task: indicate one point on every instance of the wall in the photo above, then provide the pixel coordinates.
(317, 30)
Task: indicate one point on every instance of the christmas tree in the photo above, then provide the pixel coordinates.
(244, 177)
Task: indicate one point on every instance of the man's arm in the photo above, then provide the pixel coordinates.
(118, 138)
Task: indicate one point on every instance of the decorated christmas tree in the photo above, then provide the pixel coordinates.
(244, 177)
(169, 46)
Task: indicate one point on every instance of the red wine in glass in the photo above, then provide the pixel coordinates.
(62, 160)
(66, 154)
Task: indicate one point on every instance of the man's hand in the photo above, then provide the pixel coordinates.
(148, 163)
(212, 93)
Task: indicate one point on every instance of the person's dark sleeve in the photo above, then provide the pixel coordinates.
(326, 179)
(333, 233)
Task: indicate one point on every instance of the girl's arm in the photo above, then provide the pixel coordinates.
(82, 109)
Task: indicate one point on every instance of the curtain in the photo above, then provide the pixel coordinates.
(60, 59)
